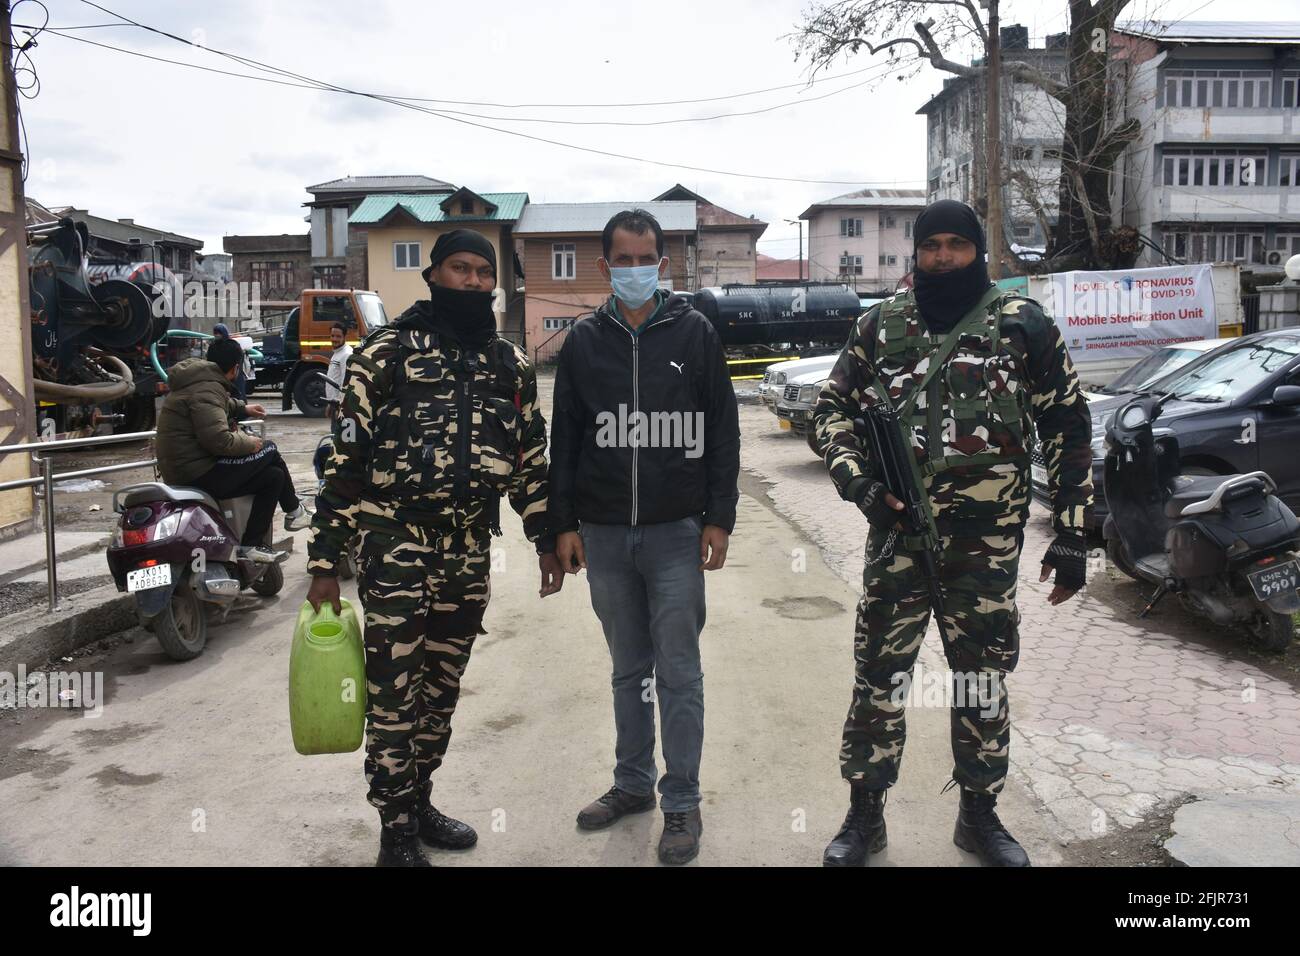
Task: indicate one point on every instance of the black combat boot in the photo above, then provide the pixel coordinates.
(437, 829)
(863, 830)
(979, 831)
(398, 848)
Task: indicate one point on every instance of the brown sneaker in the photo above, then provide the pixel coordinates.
(681, 837)
(611, 806)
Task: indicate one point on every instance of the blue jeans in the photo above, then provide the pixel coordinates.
(648, 591)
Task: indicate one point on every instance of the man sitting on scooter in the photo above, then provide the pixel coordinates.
(200, 444)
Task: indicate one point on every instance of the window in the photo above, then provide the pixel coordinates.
(1233, 89)
(1022, 234)
(1023, 154)
(907, 263)
(564, 260)
(907, 228)
(1291, 90)
(272, 275)
(1215, 246)
(1289, 175)
(893, 260)
(1220, 167)
(850, 265)
(467, 207)
(406, 255)
(554, 324)
(850, 227)
(1051, 154)
(886, 221)
(882, 260)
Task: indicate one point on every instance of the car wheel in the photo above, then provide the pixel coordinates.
(309, 395)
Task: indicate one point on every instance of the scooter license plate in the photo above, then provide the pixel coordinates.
(1275, 580)
(143, 579)
(1038, 474)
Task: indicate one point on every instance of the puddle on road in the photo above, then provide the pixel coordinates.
(804, 608)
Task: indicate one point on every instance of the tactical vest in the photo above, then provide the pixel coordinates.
(974, 409)
(445, 422)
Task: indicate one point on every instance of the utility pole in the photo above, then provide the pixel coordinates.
(799, 223)
(993, 142)
(16, 398)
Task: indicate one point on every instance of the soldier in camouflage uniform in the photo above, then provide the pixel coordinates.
(438, 419)
(1000, 369)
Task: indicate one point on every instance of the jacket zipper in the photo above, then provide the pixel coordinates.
(636, 405)
(636, 402)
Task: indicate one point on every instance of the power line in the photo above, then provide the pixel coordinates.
(502, 119)
(330, 87)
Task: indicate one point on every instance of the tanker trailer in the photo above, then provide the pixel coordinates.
(90, 341)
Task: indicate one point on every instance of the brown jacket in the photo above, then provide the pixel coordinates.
(194, 423)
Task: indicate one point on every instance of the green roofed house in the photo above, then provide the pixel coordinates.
(401, 229)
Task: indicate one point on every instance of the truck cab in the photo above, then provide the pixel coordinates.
(307, 347)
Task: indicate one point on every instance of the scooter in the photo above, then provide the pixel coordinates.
(1225, 544)
(175, 551)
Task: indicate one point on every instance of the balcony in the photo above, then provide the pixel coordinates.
(1227, 203)
(1236, 126)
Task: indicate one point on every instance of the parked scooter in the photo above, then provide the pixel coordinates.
(175, 550)
(1223, 543)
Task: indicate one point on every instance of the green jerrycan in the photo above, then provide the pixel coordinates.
(327, 681)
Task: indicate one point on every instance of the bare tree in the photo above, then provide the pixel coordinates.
(916, 34)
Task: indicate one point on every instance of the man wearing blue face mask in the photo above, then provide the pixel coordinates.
(645, 453)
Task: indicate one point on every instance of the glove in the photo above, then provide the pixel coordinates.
(869, 495)
(1068, 554)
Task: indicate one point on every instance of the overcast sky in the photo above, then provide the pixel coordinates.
(208, 155)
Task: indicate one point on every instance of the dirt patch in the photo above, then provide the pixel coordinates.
(1140, 845)
(15, 597)
(41, 764)
(804, 608)
(95, 740)
(505, 723)
(115, 776)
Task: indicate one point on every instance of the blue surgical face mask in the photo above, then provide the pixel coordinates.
(634, 285)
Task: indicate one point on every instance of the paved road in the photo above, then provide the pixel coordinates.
(192, 763)
(1111, 715)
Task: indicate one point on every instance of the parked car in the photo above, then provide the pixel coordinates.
(776, 375)
(1158, 364)
(794, 410)
(1223, 413)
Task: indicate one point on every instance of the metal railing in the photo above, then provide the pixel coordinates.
(41, 456)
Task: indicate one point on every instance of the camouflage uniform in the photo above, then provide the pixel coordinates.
(424, 494)
(971, 431)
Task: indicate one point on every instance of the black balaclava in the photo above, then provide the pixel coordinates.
(945, 297)
(463, 315)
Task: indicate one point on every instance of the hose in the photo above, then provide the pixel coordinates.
(182, 334)
(89, 393)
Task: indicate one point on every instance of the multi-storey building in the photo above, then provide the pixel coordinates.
(863, 238)
(1215, 174)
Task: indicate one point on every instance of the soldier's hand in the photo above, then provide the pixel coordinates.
(882, 509)
(324, 588)
(552, 573)
(570, 553)
(255, 411)
(1068, 554)
(713, 547)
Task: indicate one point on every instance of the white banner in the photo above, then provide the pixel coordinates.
(1127, 314)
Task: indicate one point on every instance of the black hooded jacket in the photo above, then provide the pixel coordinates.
(679, 457)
